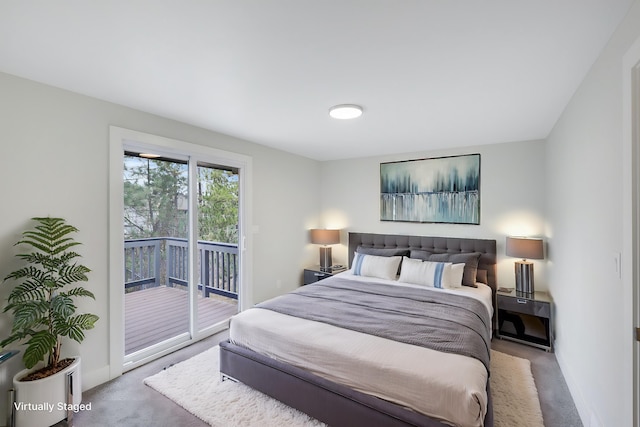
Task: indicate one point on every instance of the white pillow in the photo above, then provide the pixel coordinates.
(454, 276)
(383, 267)
(444, 275)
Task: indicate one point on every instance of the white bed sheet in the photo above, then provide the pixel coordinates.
(445, 386)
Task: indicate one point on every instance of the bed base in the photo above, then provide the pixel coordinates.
(329, 402)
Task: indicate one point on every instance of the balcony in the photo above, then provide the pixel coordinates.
(156, 274)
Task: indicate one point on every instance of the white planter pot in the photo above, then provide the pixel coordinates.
(42, 403)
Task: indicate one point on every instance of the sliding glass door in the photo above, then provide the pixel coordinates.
(218, 217)
(181, 258)
(156, 222)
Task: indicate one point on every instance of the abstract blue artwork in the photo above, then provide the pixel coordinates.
(440, 190)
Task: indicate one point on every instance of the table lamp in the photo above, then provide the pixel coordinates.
(525, 248)
(325, 237)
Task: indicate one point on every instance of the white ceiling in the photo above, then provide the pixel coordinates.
(430, 74)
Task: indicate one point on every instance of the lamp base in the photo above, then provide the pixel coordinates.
(524, 277)
(325, 258)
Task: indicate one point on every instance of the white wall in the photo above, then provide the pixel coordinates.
(585, 163)
(512, 199)
(54, 161)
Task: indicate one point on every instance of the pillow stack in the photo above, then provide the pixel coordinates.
(438, 270)
(470, 260)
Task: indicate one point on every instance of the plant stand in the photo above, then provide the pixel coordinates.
(47, 401)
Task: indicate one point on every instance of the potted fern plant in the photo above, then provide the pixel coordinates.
(44, 312)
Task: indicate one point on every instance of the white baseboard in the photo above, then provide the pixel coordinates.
(587, 415)
(95, 378)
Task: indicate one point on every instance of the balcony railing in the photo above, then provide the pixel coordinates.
(163, 261)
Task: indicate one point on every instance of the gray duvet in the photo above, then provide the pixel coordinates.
(438, 321)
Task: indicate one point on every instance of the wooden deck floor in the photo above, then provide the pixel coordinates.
(156, 314)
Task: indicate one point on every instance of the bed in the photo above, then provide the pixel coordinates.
(348, 376)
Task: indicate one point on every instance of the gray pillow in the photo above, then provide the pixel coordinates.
(482, 276)
(423, 255)
(470, 261)
(383, 251)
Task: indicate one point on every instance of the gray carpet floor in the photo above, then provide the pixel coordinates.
(127, 402)
(558, 409)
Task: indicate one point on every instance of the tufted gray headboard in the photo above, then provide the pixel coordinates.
(486, 247)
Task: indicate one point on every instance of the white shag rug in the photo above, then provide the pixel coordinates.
(514, 393)
(195, 385)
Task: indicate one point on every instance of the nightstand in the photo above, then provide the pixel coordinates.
(526, 318)
(314, 273)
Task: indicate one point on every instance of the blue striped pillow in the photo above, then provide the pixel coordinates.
(438, 274)
(383, 267)
(357, 264)
(442, 275)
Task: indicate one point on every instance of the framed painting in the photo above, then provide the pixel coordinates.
(437, 190)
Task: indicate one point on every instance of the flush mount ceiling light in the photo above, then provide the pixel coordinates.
(345, 111)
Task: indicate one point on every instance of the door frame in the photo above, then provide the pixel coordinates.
(631, 229)
(119, 139)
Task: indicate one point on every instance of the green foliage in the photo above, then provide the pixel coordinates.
(43, 309)
(218, 205)
(155, 193)
(153, 190)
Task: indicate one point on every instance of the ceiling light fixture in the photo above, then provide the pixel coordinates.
(345, 111)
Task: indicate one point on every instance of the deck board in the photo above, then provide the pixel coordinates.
(156, 314)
